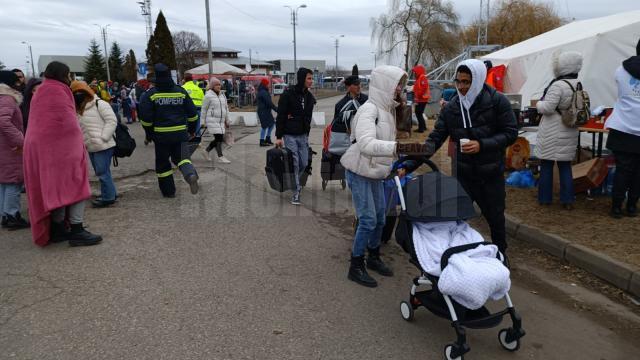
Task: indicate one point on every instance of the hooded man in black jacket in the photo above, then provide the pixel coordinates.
(482, 124)
(349, 104)
(295, 110)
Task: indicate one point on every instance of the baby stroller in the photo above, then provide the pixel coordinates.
(435, 197)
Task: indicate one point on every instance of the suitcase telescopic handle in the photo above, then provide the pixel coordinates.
(400, 193)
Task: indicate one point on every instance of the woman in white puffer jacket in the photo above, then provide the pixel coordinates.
(557, 143)
(215, 114)
(98, 123)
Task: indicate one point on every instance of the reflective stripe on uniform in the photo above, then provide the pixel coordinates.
(192, 119)
(185, 161)
(167, 95)
(144, 123)
(169, 128)
(165, 174)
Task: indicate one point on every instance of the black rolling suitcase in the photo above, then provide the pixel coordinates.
(279, 170)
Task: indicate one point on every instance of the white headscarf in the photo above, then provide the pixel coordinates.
(478, 77)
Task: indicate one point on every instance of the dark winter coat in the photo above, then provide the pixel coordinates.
(265, 105)
(11, 136)
(295, 109)
(361, 99)
(493, 126)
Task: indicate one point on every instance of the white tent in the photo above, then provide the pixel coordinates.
(604, 43)
(219, 68)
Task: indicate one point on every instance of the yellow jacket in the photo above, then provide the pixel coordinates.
(195, 93)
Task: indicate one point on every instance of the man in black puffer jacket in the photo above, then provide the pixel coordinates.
(482, 124)
(295, 110)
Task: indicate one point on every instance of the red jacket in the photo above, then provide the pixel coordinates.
(11, 136)
(421, 91)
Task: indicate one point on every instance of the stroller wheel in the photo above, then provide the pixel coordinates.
(406, 310)
(513, 345)
(343, 184)
(447, 353)
(324, 185)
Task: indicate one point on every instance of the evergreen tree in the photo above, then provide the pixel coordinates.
(115, 63)
(354, 70)
(130, 68)
(164, 50)
(94, 66)
(151, 52)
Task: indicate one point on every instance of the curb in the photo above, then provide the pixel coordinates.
(619, 274)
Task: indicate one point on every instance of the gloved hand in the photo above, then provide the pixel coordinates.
(412, 149)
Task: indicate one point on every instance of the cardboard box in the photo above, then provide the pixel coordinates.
(586, 175)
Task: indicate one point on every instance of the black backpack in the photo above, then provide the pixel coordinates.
(125, 144)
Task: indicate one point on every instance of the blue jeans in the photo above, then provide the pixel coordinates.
(10, 199)
(265, 132)
(368, 200)
(299, 147)
(545, 184)
(101, 162)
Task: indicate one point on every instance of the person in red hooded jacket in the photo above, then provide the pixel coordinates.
(421, 95)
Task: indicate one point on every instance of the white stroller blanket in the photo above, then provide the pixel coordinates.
(471, 277)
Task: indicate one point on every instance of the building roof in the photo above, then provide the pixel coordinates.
(74, 62)
(220, 49)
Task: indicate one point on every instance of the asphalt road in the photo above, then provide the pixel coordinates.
(236, 272)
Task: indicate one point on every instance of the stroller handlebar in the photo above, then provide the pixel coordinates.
(420, 160)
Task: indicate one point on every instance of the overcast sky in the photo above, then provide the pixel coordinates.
(65, 27)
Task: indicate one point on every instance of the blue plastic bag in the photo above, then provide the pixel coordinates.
(521, 179)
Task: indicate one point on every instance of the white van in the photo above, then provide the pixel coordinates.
(278, 89)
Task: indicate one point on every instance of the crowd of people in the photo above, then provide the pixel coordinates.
(52, 127)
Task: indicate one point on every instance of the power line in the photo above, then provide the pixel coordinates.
(251, 16)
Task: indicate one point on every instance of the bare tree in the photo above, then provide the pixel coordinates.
(424, 30)
(186, 44)
(514, 21)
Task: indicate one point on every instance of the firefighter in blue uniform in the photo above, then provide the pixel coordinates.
(169, 117)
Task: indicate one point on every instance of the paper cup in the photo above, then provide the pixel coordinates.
(462, 142)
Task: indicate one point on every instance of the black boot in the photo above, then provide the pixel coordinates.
(616, 209)
(374, 262)
(358, 273)
(58, 233)
(632, 207)
(79, 236)
(268, 140)
(16, 222)
(263, 143)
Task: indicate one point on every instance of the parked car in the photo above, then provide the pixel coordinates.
(278, 89)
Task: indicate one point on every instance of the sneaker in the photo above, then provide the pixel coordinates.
(224, 160)
(295, 199)
(193, 183)
(16, 222)
(205, 153)
(99, 203)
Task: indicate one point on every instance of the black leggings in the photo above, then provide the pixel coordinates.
(218, 139)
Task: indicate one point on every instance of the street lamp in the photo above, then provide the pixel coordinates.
(294, 22)
(337, 45)
(33, 71)
(103, 30)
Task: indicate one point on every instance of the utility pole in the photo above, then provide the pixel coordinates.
(33, 70)
(103, 30)
(209, 49)
(337, 45)
(294, 22)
